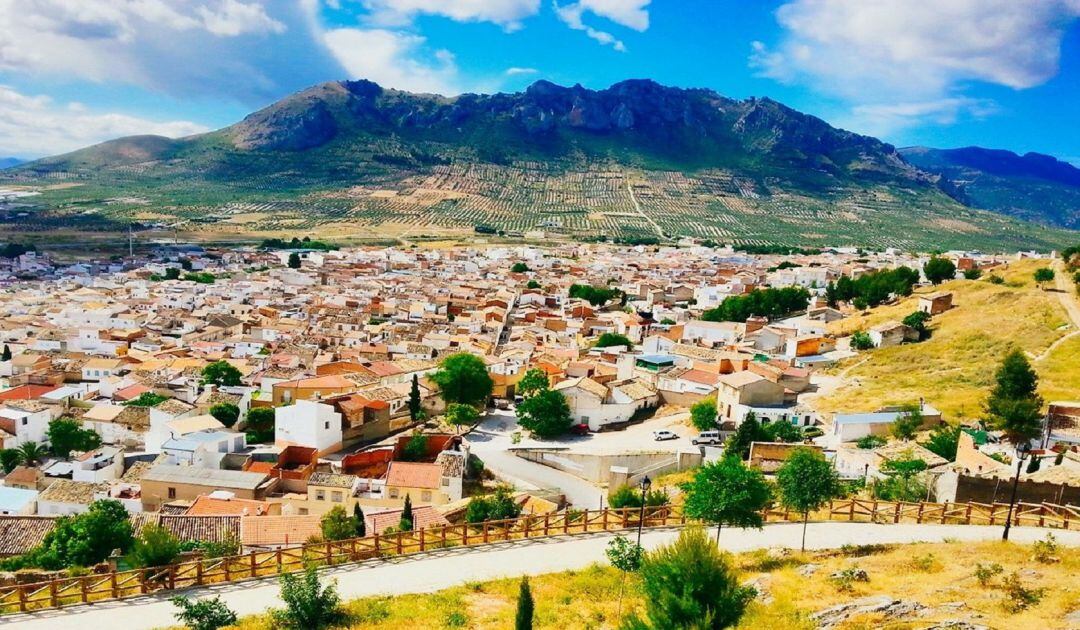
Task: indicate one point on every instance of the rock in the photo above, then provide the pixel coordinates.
(957, 625)
(854, 574)
(761, 585)
(808, 570)
(888, 607)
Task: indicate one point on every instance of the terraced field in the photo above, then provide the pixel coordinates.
(583, 200)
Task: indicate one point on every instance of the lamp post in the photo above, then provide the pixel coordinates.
(646, 483)
(1021, 453)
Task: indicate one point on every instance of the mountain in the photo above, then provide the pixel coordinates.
(635, 161)
(1032, 186)
(8, 162)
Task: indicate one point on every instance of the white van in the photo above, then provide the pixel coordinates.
(708, 437)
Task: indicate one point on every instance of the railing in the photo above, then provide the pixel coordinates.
(260, 564)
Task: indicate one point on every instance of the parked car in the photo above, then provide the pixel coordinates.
(579, 429)
(711, 438)
(664, 434)
(812, 432)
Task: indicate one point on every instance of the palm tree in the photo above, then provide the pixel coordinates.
(30, 453)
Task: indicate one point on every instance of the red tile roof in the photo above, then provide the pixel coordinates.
(423, 516)
(414, 475)
(26, 392)
(209, 506)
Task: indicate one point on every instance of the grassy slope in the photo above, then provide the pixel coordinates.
(588, 598)
(954, 369)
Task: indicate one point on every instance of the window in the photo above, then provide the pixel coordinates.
(446, 481)
(320, 495)
(425, 495)
(172, 493)
(302, 511)
(393, 493)
(335, 497)
(326, 425)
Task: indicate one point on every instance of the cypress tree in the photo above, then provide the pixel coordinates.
(524, 618)
(361, 526)
(414, 399)
(7, 353)
(406, 523)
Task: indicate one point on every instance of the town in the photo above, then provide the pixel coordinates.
(249, 400)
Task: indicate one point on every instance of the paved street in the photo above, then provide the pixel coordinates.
(436, 571)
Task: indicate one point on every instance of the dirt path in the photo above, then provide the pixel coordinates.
(637, 206)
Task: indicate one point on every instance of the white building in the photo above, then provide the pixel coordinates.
(203, 449)
(103, 464)
(308, 423)
(17, 502)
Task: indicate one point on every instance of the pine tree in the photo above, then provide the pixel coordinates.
(406, 523)
(361, 526)
(7, 353)
(524, 618)
(739, 443)
(1014, 405)
(414, 399)
(1034, 464)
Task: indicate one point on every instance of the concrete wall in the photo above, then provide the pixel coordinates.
(597, 468)
(959, 488)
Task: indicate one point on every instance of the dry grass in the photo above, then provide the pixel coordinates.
(954, 369)
(930, 574)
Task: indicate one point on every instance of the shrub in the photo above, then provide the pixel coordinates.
(523, 620)
(691, 584)
(861, 341)
(225, 413)
(845, 580)
(926, 563)
(870, 442)
(1045, 550)
(995, 279)
(204, 614)
(416, 448)
(608, 340)
(624, 555)
(497, 506)
(308, 604)
(546, 414)
(985, 573)
(337, 524)
(703, 414)
(155, 547)
(630, 497)
(1019, 597)
(972, 274)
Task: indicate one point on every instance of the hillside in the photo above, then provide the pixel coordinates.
(636, 160)
(954, 369)
(934, 582)
(1032, 186)
(8, 162)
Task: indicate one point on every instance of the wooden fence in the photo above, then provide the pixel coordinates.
(260, 564)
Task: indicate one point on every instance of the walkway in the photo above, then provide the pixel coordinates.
(444, 569)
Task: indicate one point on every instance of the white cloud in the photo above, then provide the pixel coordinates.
(390, 58)
(629, 13)
(506, 13)
(886, 119)
(36, 125)
(516, 71)
(180, 47)
(874, 54)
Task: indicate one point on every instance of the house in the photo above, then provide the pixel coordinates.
(601, 405)
(101, 368)
(422, 482)
(18, 502)
(99, 465)
(204, 449)
(852, 462)
(27, 420)
(20, 534)
(740, 391)
(165, 482)
(287, 392)
(891, 334)
(66, 497)
(849, 427)
(935, 303)
(308, 423)
(275, 532)
(424, 517)
(225, 503)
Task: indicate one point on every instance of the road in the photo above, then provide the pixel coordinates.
(444, 569)
(637, 206)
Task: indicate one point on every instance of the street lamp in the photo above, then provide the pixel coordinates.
(1021, 453)
(646, 483)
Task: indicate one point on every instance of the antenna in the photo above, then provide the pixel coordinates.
(131, 243)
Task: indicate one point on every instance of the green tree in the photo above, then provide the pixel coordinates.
(66, 435)
(406, 522)
(806, 481)
(690, 584)
(6, 356)
(225, 413)
(860, 340)
(9, 459)
(203, 614)
(221, 373)
(519, 267)
(781, 431)
(770, 303)
(903, 480)
(1014, 406)
(30, 454)
(358, 518)
(308, 604)
(546, 414)
(260, 424)
(749, 431)
(463, 378)
(630, 497)
(155, 547)
(626, 557)
(337, 524)
(534, 380)
(870, 442)
(727, 492)
(460, 415)
(146, 399)
(944, 441)
(610, 339)
(497, 506)
(917, 321)
(172, 273)
(972, 274)
(703, 414)
(523, 619)
(84, 539)
(532, 284)
(938, 270)
(294, 260)
(908, 421)
(416, 449)
(1044, 275)
(415, 407)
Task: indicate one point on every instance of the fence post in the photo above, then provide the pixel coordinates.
(142, 581)
(199, 570)
(422, 547)
(22, 596)
(967, 514)
(851, 511)
(377, 551)
(443, 535)
(82, 588)
(585, 521)
(172, 577)
(919, 518)
(115, 589)
(485, 532)
(526, 530)
(227, 562)
(53, 600)
(605, 519)
(464, 534)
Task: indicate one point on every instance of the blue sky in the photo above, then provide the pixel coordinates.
(945, 73)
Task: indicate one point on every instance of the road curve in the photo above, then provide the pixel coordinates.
(443, 569)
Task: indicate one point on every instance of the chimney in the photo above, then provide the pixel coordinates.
(624, 365)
